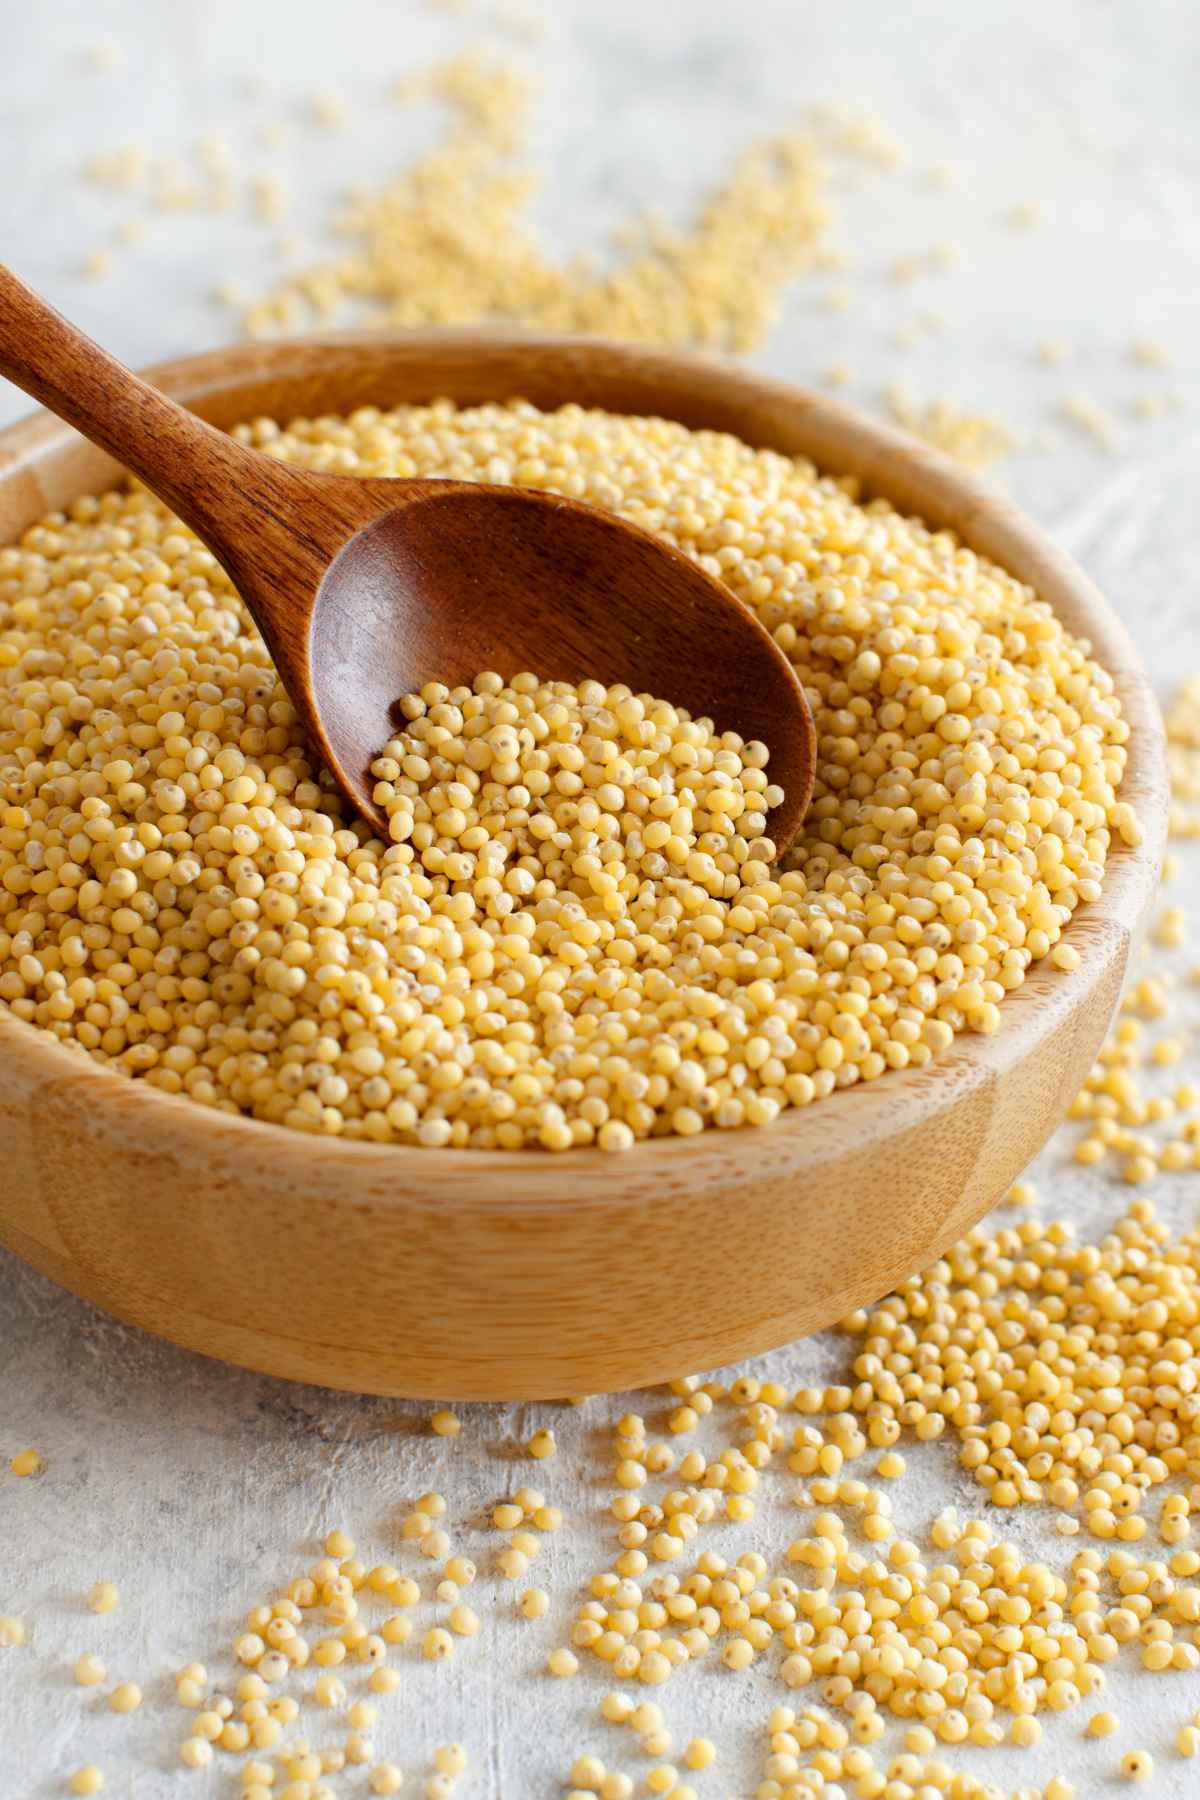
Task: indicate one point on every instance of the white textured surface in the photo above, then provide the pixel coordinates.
(199, 1488)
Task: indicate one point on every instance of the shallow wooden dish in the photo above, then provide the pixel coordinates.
(486, 1276)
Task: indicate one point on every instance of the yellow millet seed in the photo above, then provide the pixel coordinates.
(701, 1753)
(358, 1748)
(1137, 1765)
(12, 1631)
(89, 1671)
(618, 953)
(562, 1662)
(126, 1697)
(27, 1462)
(87, 1780)
(542, 1444)
(445, 1423)
(104, 1597)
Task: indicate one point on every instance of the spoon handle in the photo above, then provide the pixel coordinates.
(194, 467)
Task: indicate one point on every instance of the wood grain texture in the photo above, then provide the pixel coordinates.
(481, 1275)
(364, 590)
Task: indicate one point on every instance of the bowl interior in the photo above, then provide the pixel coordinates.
(44, 465)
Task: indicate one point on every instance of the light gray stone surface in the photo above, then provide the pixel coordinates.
(199, 1488)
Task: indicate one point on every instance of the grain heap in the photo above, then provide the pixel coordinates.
(182, 896)
(1069, 1371)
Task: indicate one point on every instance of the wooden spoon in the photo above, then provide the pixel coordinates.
(364, 590)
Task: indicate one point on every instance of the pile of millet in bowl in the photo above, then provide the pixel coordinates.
(578, 933)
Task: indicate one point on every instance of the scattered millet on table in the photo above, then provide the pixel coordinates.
(966, 1642)
(449, 241)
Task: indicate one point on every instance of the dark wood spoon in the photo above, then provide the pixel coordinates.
(366, 589)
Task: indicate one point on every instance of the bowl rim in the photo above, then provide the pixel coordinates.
(866, 1112)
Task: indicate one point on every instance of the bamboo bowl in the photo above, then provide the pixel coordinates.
(480, 1275)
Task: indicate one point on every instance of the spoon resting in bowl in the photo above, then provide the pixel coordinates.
(366, 589)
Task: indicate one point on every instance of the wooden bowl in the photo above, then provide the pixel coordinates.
(480, 1275)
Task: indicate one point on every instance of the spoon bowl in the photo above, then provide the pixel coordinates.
(366, 589)
(544, 584)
